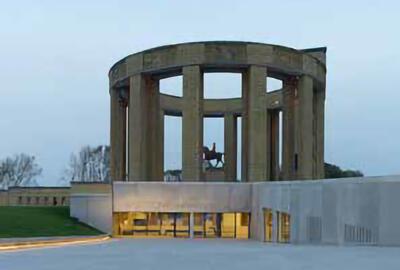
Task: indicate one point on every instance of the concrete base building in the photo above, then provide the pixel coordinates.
(360, 211)
(282, 142)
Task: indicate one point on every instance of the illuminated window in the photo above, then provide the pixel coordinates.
(181, 224)
(167, 224)
(206, 225)
(242, 225)
(198, 228)
(212, 225)
(152, 224)
(283, 227)
(228, 225)
(268, 225)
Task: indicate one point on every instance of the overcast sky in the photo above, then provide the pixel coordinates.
(55, 56)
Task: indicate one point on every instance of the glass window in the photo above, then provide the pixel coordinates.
(268, 225)
(283, 227)
(242, 225)
(181, 224)
(167, 224)
(228, 225)
(206, 225)
(198, 229)
(152, 224)
(212, 225)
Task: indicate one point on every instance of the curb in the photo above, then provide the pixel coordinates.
(20, 243)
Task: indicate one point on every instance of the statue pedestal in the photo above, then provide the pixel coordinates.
(214, 175)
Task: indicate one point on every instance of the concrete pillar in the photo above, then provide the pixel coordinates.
(146, 130)
(138, 158)
(275, 229)
(304, 128)
(118, 134)
(319, 131)
(273, 136)
(192, 124)
(245, 153)
(288, 135)
(230, 149)
(191, 225)
(154, 132)
(256, 124)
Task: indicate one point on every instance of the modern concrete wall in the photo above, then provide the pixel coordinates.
(361, 211)
(182, 197)
(91, 203)
(347, 211)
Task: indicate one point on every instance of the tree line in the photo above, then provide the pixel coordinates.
(91, 164)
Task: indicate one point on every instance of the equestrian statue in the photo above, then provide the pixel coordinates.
(212, 155)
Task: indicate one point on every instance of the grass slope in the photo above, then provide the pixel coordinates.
(40, 221)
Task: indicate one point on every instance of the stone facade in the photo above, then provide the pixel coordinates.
(136, 99)
(35, 196)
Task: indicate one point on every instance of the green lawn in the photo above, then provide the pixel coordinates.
(40, 221)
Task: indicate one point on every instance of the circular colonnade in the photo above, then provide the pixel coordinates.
(138, 109)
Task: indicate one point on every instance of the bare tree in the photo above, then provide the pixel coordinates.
(19, 170)
(91, 164)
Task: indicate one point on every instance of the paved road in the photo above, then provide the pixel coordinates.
(176, 254)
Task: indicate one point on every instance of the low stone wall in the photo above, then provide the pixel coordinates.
(35, 196)
(3, 197)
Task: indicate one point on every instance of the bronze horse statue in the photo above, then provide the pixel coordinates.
(212, 155)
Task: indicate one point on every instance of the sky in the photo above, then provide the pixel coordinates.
(55, 57)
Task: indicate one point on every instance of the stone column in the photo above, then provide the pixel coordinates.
(319, 131)
(256, 126)
(288, 135)
(192, 124)
(118, 134)
(273, 126)
(154, 132)
(304, 128)
(245, 153)
(138, 158)
(230, 149)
